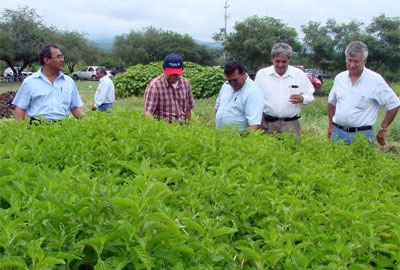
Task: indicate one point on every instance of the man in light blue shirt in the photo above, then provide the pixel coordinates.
(355, 98)
(48, 93)
(240, 102)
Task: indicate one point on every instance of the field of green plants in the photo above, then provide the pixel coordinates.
(116, 191)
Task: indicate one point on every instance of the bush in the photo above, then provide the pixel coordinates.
(206, 81)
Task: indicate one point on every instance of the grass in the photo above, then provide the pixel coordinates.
(314, 116)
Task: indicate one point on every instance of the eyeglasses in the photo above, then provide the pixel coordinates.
(60, 56)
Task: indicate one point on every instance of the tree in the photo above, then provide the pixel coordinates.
(384, 43)
(317, 38)
(21, 34)
(152, 44)
(76, 48)
(252, 40)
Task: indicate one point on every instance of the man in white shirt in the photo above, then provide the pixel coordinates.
(105, 93)
(285, 88)
(355, 98)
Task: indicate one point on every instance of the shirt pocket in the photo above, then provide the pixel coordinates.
(362, 102)
(66, 97)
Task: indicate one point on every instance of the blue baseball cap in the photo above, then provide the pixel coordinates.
(173, 64)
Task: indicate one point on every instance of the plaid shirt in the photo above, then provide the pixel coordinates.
(166, 102)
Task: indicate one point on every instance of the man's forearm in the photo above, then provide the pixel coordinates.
(331, 113)
(389, 116)
(188, 115)
(19, 114)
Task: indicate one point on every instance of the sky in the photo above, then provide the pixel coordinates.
(200, 19)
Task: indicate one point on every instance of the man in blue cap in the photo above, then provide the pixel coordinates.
(169, 96)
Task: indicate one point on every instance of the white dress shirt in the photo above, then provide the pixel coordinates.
(277, 89)
(105, 92)
(358, 105)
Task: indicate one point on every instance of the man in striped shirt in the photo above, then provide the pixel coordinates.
(169, 96)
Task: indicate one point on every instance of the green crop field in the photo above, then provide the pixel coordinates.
(117, 191)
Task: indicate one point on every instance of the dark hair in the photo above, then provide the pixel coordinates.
(230, 67)
(102, 70)
(45, 52)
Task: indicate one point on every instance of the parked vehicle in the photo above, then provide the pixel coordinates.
(115, 70)
(8, 72)
(316, 82)
(87, 73)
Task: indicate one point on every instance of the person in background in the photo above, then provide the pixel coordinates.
(239, 101)
(105, 93)
(285, 88)
(169, 96)
(355, 98)
(48, 93)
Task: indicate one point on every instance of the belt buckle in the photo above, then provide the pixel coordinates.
(347, 129)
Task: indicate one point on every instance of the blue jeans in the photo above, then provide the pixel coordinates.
(105, 106)
(347, 137)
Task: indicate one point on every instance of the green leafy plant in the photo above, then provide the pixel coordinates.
(205, 81)
(117, 191)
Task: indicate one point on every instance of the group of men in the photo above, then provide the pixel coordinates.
(271, 102)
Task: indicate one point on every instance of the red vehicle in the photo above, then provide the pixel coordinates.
(316, 82)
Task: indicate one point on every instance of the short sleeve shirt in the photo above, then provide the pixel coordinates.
(243, 108)
(358, 104)
(167, 102)
(53, 101)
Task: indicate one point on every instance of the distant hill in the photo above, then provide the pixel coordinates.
(106, 43)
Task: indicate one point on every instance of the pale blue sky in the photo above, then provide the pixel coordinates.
(198, 18)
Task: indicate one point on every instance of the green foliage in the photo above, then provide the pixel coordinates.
(252, 40)
(116, 191)
(21, 33)
(205, 81)
(152, 44)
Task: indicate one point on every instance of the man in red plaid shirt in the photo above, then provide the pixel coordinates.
(169, 96)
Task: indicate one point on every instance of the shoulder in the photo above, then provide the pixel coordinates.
(265, 71)
(372, 75)
(185, 81)
(342, 76)
(296, 71)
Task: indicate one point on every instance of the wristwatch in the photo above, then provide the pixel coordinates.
(382, 129)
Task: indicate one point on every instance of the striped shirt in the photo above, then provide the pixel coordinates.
(167, 102)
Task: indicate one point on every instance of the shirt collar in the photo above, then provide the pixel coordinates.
(289, 72)
(167, 83)
(362, 76)
(103, 78)
(39, 74)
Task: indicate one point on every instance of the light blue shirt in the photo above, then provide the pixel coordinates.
(39, 97)
(242, 108)
(358, 104)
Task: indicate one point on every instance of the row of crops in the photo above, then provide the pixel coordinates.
(115, 191)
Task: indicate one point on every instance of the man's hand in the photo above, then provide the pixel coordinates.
(296, 99)
(94, 108)
(380, 137)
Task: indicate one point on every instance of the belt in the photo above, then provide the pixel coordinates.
(36, 121)
(270, 118)
(353, 129)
